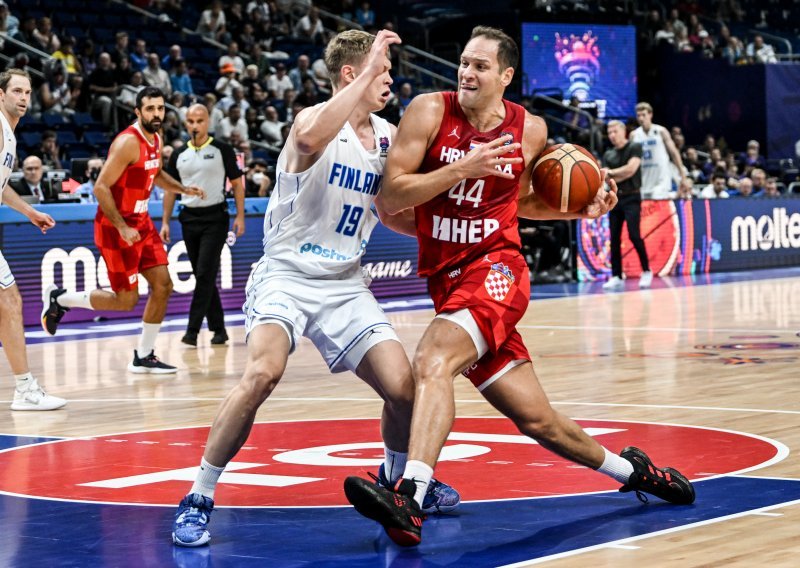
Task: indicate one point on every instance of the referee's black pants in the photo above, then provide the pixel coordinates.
(204, 232)
(628, 210)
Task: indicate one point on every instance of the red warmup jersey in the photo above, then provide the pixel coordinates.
(475, 216)
(131, 192)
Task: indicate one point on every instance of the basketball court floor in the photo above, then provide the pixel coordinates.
(701, 373)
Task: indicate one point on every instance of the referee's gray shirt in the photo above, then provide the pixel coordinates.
(206, 166)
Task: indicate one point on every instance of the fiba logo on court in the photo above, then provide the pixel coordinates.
(82, 261)
(767, 232)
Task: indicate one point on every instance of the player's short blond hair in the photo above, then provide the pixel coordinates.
(644, 106)
(347, 48)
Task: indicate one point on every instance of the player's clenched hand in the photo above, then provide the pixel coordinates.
(376, 59)
(604, 200)
(490, 159)
(42, 220)
(195, 191)
(129, 235)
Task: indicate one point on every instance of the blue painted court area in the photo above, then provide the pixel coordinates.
(57, 533)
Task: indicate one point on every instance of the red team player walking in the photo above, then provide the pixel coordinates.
(125, 234)
(463, 162)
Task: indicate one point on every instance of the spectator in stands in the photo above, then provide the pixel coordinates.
(309, 96)
(257, 182)
(233, 123)
(760, 52)
(759, 178)
(365, 15)
(405, 94)
(139, 56)
(103, 87)
(744, 188)
(86, 190)
(250, 77)
(76, 102)
(237, 98)
(179, 79)
(67, 54)
(752, 157)
(212, 23)
(179, 102)
(253, 121)
(233, 57)
(260, 6)
(120, 51)
(693, 165)
(9, 23)
(279, 82)
(155, 76)
(309, 27)
(709, 143)
(54, 94)
(49, 151)
(127, 94)
(235, 19)
(771, 188)
(242, 146)
(677, 24)
(715, 157)
(87, 57)
(46, 39)
(319, 72)
(260, 59)
(707, 46)
(717, 189)
(171, 59)
(215, 115)
(666, 35)
(300, 72)
(258, 98)
(734, 52)
(26, 33)
(31, 182)
(271, 127)
(579, 123)
(682, 42)
(287, 113)
(227, 82)
(685, 189)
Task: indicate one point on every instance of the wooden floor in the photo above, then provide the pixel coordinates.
(723, 356)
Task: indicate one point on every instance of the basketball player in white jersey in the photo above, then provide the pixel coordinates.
(15, 95)
(309, 281)
(657, 150)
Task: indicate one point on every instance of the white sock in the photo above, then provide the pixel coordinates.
(147, 341)
(616, 467)
(420, 473)
(24, 381)
(206, 481)
(76, 300)
(394, 464)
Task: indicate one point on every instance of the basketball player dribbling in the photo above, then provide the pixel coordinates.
(309, 281)
(125, 234)
(463, 161)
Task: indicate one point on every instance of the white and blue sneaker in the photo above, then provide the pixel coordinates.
(191, 520)
(439, 498)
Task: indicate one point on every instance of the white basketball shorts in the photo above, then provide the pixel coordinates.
(341, 317)
(6, 278)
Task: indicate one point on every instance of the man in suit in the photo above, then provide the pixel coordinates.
(31, 183)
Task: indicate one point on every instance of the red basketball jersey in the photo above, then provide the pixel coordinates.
(131, 191)
(475, 216)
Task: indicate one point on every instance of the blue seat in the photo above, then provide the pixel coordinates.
(31, 139)
(67, 137)
(52, 120)
(96, 138)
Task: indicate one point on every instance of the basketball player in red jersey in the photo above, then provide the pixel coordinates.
(463, 162)
(125, 234)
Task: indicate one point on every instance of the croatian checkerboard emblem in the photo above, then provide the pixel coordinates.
(498, 282)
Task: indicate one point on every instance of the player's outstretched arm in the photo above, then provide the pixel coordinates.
(403, 187)
(316, 126)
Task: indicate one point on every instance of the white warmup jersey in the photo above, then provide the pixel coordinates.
(318, 221)
(656, 171)
(7, 157)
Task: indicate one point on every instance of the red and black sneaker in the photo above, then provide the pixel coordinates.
(394, 508)
(667, 484)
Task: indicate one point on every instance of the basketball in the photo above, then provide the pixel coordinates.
(566, 177)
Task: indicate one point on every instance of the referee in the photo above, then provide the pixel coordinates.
(207, 163)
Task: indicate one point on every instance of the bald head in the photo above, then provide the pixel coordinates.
(197, 123)
(32, 170)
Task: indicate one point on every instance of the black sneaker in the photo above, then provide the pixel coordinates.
(190, 338)
(220, 337)
(667, 484)
(52, 311)
(394, 508)
(149, 364)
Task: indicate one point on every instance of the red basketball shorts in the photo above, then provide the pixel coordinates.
(496, 291)
(124, 262)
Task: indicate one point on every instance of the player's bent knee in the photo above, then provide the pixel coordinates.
(127, 300)
(543, 429)
(260, 382)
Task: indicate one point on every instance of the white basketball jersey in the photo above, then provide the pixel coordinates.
(318, 221)
(8, 154)
(656, 172)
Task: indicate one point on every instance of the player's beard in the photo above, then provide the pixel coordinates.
(150, 127)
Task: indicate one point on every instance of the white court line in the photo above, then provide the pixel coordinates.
(626, 541)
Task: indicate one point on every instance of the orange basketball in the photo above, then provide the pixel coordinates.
(566, 177)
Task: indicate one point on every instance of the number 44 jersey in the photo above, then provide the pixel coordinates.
(318, 221)
(475, 216)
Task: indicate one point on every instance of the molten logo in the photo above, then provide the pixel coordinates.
(765, 233)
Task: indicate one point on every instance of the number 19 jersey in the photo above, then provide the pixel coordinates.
(476, 216)
(318, 221)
